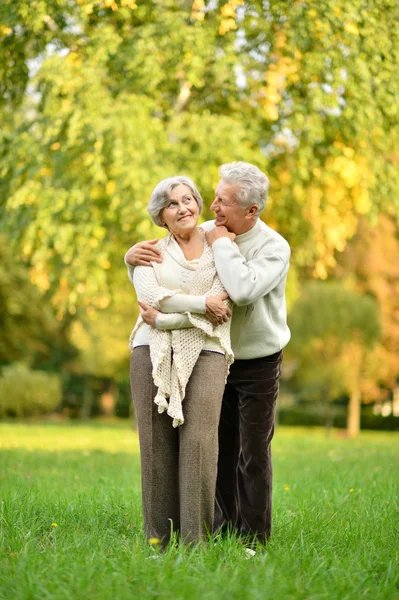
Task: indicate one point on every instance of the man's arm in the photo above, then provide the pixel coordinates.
(247, 281)
(142, 254)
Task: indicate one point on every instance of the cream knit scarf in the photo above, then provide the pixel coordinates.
(174, 353)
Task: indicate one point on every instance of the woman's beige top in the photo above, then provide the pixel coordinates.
(171, 376)
(177, 274)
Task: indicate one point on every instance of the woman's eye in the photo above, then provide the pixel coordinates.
(187, 200)
(171, 204)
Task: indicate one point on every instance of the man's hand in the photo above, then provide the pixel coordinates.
(143, 253)
(148, 313)
(219, 232)
(216, 310)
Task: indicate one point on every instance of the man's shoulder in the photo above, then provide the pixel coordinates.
(208, 225)
(272, 239)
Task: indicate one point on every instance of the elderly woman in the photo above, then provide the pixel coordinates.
(179, 364)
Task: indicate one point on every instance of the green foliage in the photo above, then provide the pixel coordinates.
(100, 99)
(26, 393)
(309, 416)
(332, 329)
(323, 77)
(370, 265)
(29, 329)
(123, 94)
(327, 310)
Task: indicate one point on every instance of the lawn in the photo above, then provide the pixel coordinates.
(71, 524)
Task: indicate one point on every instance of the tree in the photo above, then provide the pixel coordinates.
(369, 264)
(321, 80)
(126, 93)
(29, 330)
(333, 331)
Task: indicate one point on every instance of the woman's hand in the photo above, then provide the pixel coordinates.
(148, 314)
(141, 254)
(216, 310)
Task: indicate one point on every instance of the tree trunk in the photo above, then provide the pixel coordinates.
(85, 412)
(108, 400)
(327, 414)
(353, 421)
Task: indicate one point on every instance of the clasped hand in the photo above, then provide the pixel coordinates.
(148, 313)
(216, 311)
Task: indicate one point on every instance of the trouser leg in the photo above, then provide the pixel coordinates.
(158, 452)
(226, 504)
(198, 446)
(257, 384)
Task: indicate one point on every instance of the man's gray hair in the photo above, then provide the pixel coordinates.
(161, 196)
(252, 184)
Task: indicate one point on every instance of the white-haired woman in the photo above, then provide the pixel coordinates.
(180, 359)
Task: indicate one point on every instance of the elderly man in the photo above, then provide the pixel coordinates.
(253, 271)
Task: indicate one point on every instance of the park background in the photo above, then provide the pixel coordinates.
(101, 99)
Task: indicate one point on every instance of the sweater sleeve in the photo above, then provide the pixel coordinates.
(248, 280)
(169, 321)
(168, 301)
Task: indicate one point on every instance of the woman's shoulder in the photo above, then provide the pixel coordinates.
(164, 243)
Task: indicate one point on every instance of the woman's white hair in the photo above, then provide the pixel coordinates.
(161, 196)
(252, 184)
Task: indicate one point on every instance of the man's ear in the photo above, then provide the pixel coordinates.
(252, 211)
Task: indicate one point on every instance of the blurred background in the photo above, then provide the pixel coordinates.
(100, 100)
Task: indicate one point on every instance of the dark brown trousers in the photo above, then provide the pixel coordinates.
(244, 481)
(179, 466)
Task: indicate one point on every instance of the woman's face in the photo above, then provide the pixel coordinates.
(181, 213)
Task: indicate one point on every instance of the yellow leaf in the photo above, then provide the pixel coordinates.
(273, 96)
(351, 28)
(228, 11)
(129, 3)
(271, 112)
(197, 10)
(227, 25)
(363, 203)
(110, 187)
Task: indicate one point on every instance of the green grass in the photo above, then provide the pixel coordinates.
(335, 536)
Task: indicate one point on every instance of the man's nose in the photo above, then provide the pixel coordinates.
(214, 205)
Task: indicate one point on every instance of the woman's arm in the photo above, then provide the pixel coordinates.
(149, 291)
(167, 301)
(163, 321)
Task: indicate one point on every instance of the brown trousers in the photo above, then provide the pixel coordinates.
(179, 466)
(244, 481)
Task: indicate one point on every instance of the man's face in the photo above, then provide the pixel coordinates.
(227, 210)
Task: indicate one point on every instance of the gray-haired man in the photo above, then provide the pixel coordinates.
(254, 273)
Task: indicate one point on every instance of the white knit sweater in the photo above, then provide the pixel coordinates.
(174, 353)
